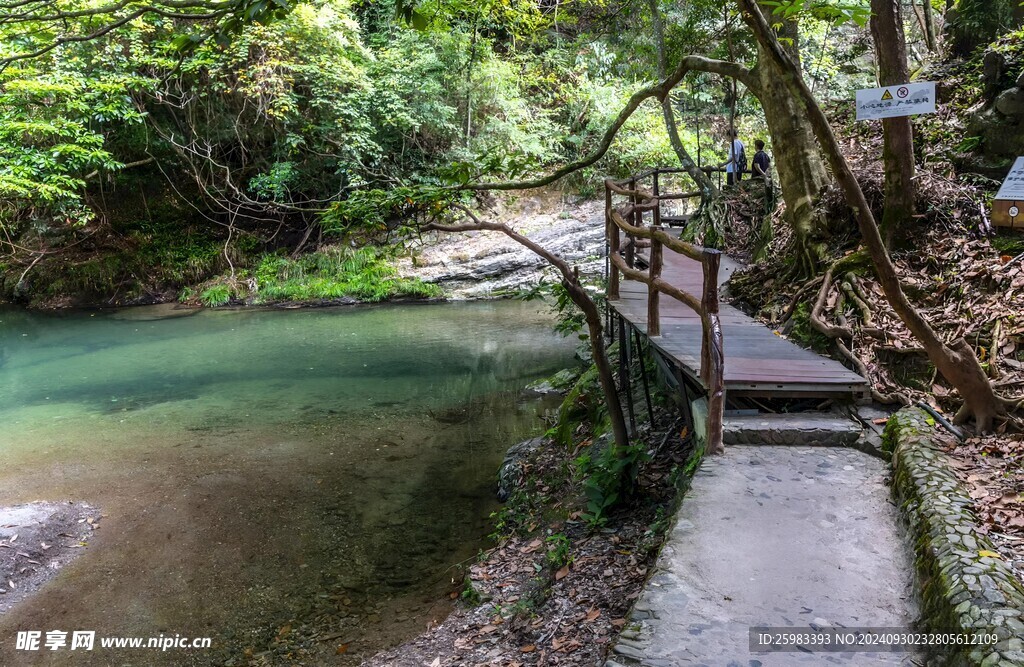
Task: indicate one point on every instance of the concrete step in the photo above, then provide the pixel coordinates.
(800, 428)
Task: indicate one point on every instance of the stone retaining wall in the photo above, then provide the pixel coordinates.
(965, 586)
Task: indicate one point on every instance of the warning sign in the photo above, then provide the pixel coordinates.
(1009, 203)
(904, 100)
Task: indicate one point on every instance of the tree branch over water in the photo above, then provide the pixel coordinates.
(659, 90)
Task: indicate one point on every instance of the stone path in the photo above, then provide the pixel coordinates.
(778, 537)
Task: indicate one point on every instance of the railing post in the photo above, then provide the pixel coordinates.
(656, 215)
(712, 351)
(709, 304)
(633, 215)
(612, 233)
(653, 295)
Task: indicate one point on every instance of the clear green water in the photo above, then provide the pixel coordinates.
(261, 469)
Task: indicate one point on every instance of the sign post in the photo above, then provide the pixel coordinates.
(1008, 207)
(907, 99)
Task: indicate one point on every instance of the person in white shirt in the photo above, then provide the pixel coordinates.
(736, 163)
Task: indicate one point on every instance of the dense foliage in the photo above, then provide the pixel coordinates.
(236, 128)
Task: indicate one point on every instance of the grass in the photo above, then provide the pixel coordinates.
(214, 296)
(365, 274)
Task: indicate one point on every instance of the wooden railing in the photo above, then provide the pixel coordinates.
(628, 217)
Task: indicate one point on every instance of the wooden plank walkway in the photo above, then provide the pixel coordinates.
(757, 361)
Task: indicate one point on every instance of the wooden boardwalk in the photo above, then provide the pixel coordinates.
(758, 362)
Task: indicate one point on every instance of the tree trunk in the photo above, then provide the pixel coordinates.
(897, 133)
(957, 362)
(929, 25)
(802, 175)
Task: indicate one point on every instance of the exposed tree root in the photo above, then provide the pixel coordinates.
(798, 298)
(817, 321)
(851, 288)
(893, 398)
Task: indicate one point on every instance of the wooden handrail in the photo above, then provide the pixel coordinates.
(677, 245)
(628, 218)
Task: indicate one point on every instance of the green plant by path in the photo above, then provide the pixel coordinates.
(559, 551)
(608, 479)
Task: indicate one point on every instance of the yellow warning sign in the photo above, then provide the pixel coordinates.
(886, 95)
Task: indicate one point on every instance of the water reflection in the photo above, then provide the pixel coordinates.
(262, 466)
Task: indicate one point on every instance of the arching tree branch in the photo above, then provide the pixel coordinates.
(659, 90)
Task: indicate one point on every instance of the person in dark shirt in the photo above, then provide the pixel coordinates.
(761, 162)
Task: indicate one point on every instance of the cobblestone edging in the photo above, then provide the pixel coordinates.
(963, 589)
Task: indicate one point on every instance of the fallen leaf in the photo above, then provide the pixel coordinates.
(619, 622)
(530, 648)
(990, 554)
(562, 573)
(592, 616)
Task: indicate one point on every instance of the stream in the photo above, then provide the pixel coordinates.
(299, 485)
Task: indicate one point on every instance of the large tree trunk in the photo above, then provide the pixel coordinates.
(957, 362)
(897, 133)
(802, 174)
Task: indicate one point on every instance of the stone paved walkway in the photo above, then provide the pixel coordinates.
(779, 537)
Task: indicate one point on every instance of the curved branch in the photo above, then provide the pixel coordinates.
(100, 32)
(659, 90)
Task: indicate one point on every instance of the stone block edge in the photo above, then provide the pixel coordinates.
(964, 586)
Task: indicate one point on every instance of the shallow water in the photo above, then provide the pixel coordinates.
(264, 475)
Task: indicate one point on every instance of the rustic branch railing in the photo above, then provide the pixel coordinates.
(629, 218)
